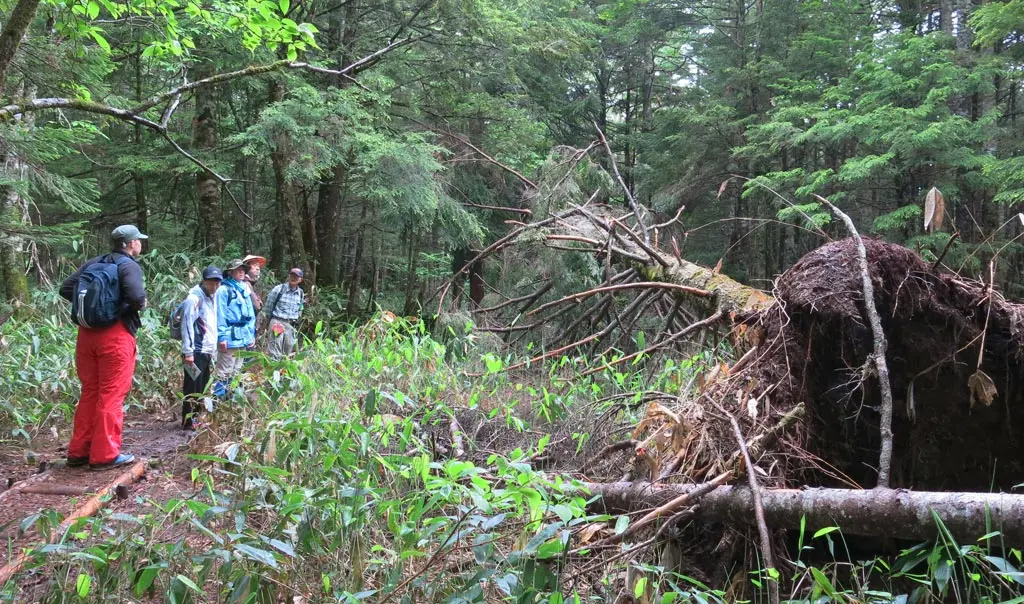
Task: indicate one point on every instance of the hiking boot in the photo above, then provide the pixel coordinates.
(76, 462)
(121, 460)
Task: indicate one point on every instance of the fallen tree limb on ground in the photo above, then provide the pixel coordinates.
(87, 509)
(893, 513)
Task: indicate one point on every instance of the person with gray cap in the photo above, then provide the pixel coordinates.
(198, 342)
(108, 285)
(236, 325)
(284, 309)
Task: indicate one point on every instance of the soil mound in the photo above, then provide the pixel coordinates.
(954, 357)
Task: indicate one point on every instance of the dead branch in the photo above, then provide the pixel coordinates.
(531, 296)
(669, 507)
(526, 181)
(629, 194)
(497, 245)
(945, 249)
(525, 211)
(675, 218)
(656, 256)
(711, 320)
(755, 489)
(619, 251)
(880, 345)
(625, 286)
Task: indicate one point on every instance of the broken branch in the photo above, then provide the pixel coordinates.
(880, 345)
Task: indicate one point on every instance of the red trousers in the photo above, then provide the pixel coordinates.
(105, 359)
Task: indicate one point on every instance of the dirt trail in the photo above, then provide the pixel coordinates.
(150, 437)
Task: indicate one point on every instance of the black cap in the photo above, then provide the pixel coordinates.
(212, 272)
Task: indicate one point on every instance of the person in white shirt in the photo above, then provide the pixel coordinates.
(198, 342)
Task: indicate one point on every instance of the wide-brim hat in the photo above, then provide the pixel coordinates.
(234, 265)
(257, 260)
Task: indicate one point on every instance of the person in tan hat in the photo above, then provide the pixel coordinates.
(253, 268)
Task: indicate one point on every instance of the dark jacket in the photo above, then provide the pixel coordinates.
(133, 289)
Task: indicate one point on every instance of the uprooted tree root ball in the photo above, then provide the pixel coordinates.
(956, 425)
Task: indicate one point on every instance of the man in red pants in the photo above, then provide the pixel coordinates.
(105, 359)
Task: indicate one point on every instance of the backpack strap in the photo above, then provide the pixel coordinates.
(278, 289)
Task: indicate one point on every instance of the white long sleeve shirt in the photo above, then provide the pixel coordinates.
(199, 323)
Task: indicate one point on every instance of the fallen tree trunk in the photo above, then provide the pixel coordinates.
(893, 513)
(729, 295)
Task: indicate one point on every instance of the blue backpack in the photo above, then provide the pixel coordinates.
(97, 299)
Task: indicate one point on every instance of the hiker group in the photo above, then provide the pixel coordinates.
(219, 318)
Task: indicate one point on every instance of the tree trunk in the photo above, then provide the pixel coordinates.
(309, 239)
(141, 209)
(328, 227)
(894, 513)
(357, 262)
(946, 16)
(12, 34)
(328, 212)
(12, 269)
(204, 138)
(284, 190)
(14, 212)
(410, 273)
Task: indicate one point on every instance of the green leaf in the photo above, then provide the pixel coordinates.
(98, 37)
(822, 581)
(546, 533)
(259, 555)
(640, 587)
(284, 4)
(825, 531)
(188, 582)
(92, 10)
(82, 585)
(621, 523)
(146, 578)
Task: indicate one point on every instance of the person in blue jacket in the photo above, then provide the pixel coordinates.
(236, 325)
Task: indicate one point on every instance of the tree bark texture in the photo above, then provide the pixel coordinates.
(12, 33)
(893, 513)
(204, 138)
(14, 212)
(284, 190)
(329, 206)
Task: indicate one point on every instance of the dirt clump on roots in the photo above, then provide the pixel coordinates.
(957, 426)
